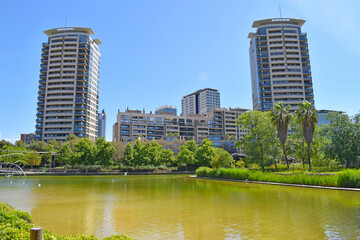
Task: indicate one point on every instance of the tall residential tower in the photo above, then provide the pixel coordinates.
(200, 102)
(68, 97)
(280, 64)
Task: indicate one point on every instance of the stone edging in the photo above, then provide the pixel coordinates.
(280, 184)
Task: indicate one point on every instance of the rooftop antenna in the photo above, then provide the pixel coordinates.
(280, 11)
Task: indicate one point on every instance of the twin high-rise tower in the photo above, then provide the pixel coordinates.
(280, 65)
(68, 97)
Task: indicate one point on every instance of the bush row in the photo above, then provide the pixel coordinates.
(347, 178)
(15, 224)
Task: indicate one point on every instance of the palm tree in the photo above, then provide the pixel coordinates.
(307, 117)
(280, 117)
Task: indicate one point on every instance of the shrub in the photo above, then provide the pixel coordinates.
(349, 178)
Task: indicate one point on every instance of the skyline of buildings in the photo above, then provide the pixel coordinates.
(279, 64)
(69, 79)
(68, 97)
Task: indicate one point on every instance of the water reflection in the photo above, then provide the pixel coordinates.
(176, 207)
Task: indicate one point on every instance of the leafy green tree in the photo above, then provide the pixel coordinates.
(57, 144)
(119, 152)
(38, 146)
(33, 159)
(191, 146)
(129, 155)
(85, 152)
(21, 144)
(307, 117)
(205, 153)
(343, 134)
(186, 157)
(256, 142)
(138, 153)
(280, 117)
(64, 155)
(151, 153)
(167, 157)
(4, 143)
(222, 159)
(173, 145)
(274, 147)
(104, 152)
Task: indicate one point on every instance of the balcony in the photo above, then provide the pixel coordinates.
(39, 114)
(42, 92)
(40, 103)
(80, 101)
(80, 119)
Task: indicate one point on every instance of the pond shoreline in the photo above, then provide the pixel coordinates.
(279, 184)
(84, 173)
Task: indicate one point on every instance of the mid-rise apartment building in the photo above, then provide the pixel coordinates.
(102, 124)
(200, 102)
(280, 64)
(219, 126)
(27, 138)
(68, 96)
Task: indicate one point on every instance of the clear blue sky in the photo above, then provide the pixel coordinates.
(154, 52)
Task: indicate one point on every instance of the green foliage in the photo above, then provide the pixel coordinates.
(85, 152)
(307, 118)
(186, 157)
(33, 159)
(119, 151)
(349, 178)
(259, 137)
(15, 224)
(251, 175)
(343, 133)
(104, 152)
(129, 155)
(205, 153)
(221, 159)
(65, 154)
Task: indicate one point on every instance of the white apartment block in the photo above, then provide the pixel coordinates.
(68, 96)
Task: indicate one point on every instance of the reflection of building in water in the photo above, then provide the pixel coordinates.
(71, 208)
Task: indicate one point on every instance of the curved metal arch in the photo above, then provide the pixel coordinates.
(15, 165)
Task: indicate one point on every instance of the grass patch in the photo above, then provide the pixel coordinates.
(16, 224)
(347, 178)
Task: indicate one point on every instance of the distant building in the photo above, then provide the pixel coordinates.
(170, 110)
(200, 102)
(219, 126)
(280, 64)
(27, 138)
(102, 124)
(323, 116)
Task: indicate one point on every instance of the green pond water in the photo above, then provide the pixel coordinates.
(178, 207)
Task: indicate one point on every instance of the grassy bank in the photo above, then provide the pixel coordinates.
(15, 224)
(346, 178)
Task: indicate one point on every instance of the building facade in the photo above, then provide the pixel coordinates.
(280, 64)
(68, 96)
(219, 126)
(27, 138)
(170, 110)
(102, 124)
(200, 102)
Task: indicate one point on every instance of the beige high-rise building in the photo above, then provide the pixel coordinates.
(280, 64)
(68, 97)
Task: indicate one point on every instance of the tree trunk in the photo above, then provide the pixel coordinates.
(275, 163)
(262, 159)
(308, 148)
(286, 159)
